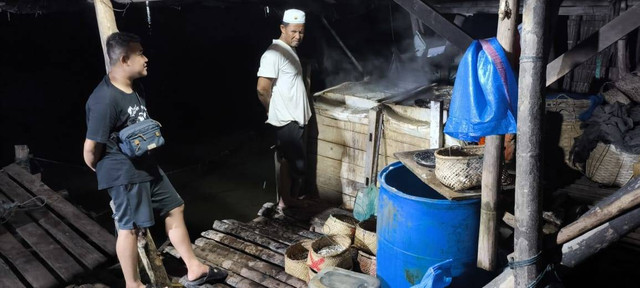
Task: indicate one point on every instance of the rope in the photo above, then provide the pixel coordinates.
(527, 262)
(8, 209)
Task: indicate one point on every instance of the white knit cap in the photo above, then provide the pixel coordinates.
(293, 16)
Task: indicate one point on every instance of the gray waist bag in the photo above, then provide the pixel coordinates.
(137, 139)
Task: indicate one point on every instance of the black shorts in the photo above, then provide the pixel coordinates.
(135, 203)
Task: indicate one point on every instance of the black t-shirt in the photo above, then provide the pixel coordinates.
(109, 110)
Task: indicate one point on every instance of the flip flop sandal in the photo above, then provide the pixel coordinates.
(214, 275)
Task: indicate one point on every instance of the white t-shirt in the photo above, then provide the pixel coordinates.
(289, 100)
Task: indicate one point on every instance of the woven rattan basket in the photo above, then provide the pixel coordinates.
(366, 238)
(629, 84)
(609, 165)
(459, 168)
(295, 260)
(367, 263)
(337, 256)
(338, 224)
(612, 94)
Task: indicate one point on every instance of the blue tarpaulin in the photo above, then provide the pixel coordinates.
(485, 94)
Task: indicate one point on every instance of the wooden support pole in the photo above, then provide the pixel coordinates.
(528, 198)
(106, 25)
(373, 145)
(492, 162)
(335, 35)
(622, 56)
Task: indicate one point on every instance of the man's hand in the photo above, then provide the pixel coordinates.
(92, 152)
(264, 91)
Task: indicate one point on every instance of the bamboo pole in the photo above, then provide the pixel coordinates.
(531, 82)
(106, 25)
(492, 162)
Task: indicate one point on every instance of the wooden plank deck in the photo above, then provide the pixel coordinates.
(48, 242)
(253, 252)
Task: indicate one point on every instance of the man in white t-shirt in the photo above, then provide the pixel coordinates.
(282, 92)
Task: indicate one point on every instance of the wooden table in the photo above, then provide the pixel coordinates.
(428, 176)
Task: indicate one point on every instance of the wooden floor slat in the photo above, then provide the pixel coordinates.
(7, 279)
(249, 236)
(47, 248)
(280, 236)
(32, 270)
(249, 248)
(82, 222)
(88, 255)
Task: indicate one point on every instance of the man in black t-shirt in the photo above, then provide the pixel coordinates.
(137, 186)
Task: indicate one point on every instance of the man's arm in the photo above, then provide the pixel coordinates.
(264, 91)
(92, 152)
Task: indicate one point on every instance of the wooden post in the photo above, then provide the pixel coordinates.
(22, 156)
(492, 162)
(436, 138)
(106, 25)
(623, 66)
(531, 82)
(373, 144)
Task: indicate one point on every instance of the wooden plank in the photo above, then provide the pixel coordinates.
(342, 137)
(344, 170)
(84, 252)
(428, 176)
(28, 266)
(341, 124)
(233, 279)
(437, 23)
(296, 229)
(472, 7)
(339, 184)
(627, 197)
(215, 253)
(603, 38)
(82, 222)
(394, 122)
(347, 154)
(373, 144)
(7, 279)
(436, 136)
(249, 236)
(56, 257)
(249, 248)
(340, 111)
(242, 259)
(278, 235)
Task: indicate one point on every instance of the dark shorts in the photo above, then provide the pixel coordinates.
(291, 145)
(135, 203)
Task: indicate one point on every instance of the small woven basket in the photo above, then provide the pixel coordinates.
(609, 165)
(459, 168)
(366, 238)
(629, 84)
(612, 94)
(338, 224)
(330, 251)
(295, 260)
(367, 263)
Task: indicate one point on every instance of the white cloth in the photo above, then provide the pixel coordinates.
(289, 100)
(293, 16)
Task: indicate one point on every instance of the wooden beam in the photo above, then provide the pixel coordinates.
(373, 145)
(437, 23)
(568, 7)
(603, 38)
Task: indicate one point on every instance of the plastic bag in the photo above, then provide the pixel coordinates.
(366, 203)
(485, 94)
(438, 276)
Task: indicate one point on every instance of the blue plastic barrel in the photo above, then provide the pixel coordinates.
(417, 228)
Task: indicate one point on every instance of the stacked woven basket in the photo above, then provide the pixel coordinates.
(306, 258)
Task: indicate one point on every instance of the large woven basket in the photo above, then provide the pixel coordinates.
(338, 224)
(338, 255)
(366, 238)
(609, 165)
(629, 84)
(367, 263)
(459, 168)
(295, 260)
